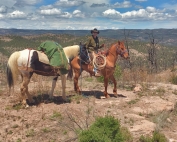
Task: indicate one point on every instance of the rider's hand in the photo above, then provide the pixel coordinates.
(102, 46)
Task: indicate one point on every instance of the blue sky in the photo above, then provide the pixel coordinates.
(88, 14)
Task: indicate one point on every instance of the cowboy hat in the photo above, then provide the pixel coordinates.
(95, 31)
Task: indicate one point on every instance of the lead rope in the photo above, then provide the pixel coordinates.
(28, 57)
(80, 68)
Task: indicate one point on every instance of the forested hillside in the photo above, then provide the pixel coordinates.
(150, 54)
(164, 36)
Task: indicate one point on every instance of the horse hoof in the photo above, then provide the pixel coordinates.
(26, 106)
(107, 96)
(103, 97)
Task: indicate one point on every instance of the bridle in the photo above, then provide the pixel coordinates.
(119, 51)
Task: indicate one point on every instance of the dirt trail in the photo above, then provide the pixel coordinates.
(140, 112)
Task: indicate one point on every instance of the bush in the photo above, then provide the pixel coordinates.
(100, 79)
(126, 134)
(173, 79)
(104, 129)
(157, 137)
(117, 74)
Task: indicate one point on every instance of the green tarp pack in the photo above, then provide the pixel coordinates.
(55, 54)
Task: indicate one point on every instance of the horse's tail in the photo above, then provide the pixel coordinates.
(70, 73)
(12, 69)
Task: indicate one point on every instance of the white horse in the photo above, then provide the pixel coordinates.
(26, 62)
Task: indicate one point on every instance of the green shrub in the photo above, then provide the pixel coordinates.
(173, 79)
(145, 139)
(100, 79)
(126, 134)
(89, 79)
(104, 129)
(157, 137)
(117, 74)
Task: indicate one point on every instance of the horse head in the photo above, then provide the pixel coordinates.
(121, 50)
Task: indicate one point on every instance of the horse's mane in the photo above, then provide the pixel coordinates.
(106, 51)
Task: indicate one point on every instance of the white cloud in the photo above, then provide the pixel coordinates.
(112, 13)
(99, 5)
(78, 13)
(135, 14)
(65, 15)
(124, 4)
(69, 3)
(151, 9)
(3, 9)
(53, 11)
(69, 28)
(93, 13)
(16, 15)
(20, 3)
(8, 3)
(150, 13)
(1, 16)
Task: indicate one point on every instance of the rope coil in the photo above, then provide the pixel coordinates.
(99, 61)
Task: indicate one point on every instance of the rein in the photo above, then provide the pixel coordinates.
(28, 57)
(118, 51)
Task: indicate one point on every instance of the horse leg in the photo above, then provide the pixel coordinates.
(63, 82)
(76, 78)
(24, 88)
(115, 84)
(106, 86)
(53, 87)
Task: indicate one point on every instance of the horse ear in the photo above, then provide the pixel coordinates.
(118, 42)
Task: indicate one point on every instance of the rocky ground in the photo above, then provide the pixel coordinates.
(152, 107)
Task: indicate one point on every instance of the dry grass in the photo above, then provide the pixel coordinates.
(141, 75)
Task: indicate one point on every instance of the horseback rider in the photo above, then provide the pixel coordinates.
(92, 45)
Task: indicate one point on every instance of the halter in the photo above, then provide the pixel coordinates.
(119, 51)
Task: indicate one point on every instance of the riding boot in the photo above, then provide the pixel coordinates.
(90, 57)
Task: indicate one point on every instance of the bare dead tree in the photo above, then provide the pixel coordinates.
(174, 60)
(152, 52)
(126, 36)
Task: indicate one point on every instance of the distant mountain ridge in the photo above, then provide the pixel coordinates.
(162, 36)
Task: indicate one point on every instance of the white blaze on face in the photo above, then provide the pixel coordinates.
(25, 58)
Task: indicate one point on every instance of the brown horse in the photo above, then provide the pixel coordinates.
(115, 49)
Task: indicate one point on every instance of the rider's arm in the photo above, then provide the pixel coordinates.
(101, 46)
(89, 44)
